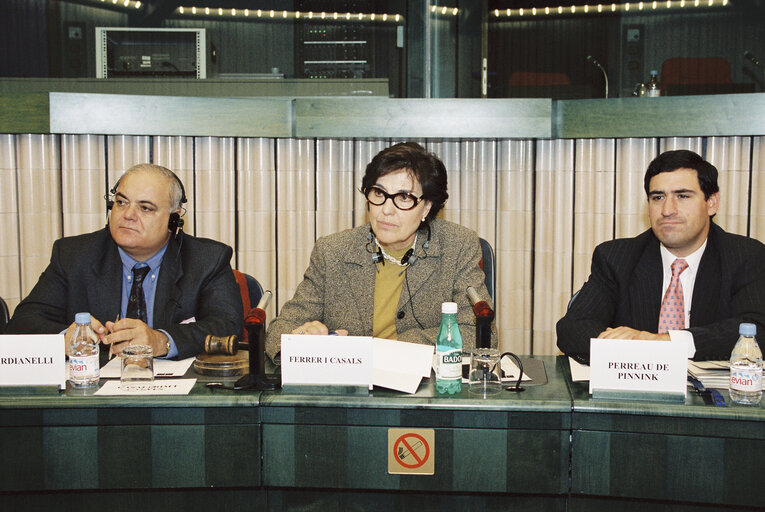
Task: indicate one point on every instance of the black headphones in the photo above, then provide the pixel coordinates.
(409, 257)
(174, 223)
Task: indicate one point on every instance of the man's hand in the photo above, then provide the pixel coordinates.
(628, 333)
(317, 327)
(130, 331)
(97, 327)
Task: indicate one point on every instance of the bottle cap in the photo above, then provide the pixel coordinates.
(747, 330)
(654, 72)
(450, 308)
(82, 318)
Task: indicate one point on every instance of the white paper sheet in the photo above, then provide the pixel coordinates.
(400, 365)
(162, 368)
(579, 372)
(158, 387)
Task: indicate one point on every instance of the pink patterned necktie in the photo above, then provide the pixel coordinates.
(672, 313)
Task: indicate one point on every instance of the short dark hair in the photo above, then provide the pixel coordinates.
(683, 159)
(426, 167)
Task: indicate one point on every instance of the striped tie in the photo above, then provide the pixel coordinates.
(136, 307)
(672, 313)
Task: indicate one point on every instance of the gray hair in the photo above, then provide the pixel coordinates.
(176, 189)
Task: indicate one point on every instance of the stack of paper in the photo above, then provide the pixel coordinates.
(713, 374)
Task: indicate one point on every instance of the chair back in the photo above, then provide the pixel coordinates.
(251, 292)
(488, 265)
(255, 289)
(5, 316)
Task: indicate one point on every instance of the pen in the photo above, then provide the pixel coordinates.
(111, 353)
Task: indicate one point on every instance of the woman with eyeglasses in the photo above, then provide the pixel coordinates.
(389, 277)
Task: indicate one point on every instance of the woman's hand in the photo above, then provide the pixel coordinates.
(317, 327)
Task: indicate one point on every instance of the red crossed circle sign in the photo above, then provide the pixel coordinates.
(408, 444)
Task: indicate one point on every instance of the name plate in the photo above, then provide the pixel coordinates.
(32, 360)
(326, 360)
(638, 369)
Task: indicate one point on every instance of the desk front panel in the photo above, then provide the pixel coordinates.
(507, 443)
(63, 443)
(692, 452)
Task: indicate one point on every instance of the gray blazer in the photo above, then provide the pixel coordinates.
(338, 286)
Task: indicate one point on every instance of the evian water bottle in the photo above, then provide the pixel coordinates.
(83, 353)
(449, 351)
(746, 367)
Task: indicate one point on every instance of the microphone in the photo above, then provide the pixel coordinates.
(255, 323)
(749, 55)
(483, 318)
(594, 62)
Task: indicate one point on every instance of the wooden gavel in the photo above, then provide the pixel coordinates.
(221, 344)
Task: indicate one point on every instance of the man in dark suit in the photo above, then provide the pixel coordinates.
(712, 279)
(142, 279)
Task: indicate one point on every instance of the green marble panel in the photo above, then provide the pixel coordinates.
(466, 460)
(118, 416)
(177, 416)
(279, 455)
(381, 417)
(740, 468)
(372, 465)
(427, 418)
(21, 417)
(321, 415)
(231, 415)
(278, 415)
(480, 460)
(178, 456)
(667, 467)
(537, 461)
(23, 463)
(232, 455)
(70, 458)
(64, 416)
(321, 455)
(124, 457)
(693, 469)
(590, 462)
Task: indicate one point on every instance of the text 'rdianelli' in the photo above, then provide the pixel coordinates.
(25, 360)
(639, 371)
(325, 360)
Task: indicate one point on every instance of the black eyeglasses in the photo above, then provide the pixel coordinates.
(401, 200)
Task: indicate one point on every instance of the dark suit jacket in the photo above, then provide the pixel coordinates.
(625, 284)
(85, 274)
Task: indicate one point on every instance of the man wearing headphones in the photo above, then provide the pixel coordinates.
(142, 279)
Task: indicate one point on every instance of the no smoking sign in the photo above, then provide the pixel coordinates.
(411, 451)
